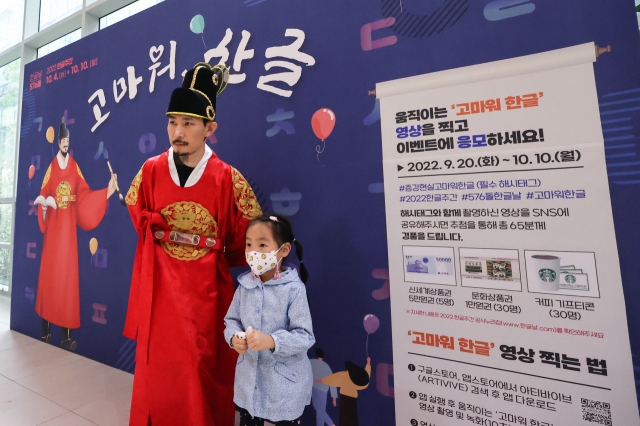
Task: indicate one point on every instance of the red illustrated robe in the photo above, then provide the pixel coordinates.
(58, 298)
(180, 294)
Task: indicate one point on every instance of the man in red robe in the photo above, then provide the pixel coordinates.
(65, 201)
(190, 210)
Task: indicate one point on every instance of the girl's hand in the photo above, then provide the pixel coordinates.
(240, 345)
(258, 341)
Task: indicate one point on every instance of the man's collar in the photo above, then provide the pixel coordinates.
(63, 160)
(197, 172)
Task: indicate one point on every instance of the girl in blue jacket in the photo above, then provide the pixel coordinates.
(269, 325)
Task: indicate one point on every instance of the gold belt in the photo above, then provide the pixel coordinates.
(189, 239)
(65, 199)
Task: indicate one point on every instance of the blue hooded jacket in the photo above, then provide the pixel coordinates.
(273, 385)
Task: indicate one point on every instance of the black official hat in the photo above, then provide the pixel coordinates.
(200, 87)
(64, 132)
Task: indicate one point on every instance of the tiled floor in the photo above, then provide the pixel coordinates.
(44, 385)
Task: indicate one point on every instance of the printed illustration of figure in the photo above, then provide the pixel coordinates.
(319, 394)
(350, 382)
(190, 210)
(65, 201)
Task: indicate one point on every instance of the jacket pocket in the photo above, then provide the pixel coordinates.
(240, 359)
(286, 372)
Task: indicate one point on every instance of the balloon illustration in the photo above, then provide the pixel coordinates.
(93, 246)
(371, 324)
(197, 27)
(50, 134)
(32, 171)
(197, 24)
(322, 123)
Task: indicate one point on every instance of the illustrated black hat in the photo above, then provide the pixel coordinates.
(64, 132)
(200, 87)
(358, 375)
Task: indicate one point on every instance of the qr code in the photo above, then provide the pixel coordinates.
(596, 412)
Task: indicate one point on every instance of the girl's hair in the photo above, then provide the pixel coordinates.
(282, 233)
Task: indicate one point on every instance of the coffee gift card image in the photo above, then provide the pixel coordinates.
(429, 265)
(497, 269)
(562, 272)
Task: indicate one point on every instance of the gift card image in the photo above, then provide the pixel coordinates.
(499, 269)
(473, 267)
(490, 268)
(429, 265)
(562, 272)
(574, 281)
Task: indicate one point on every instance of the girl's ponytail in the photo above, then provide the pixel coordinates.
(304, 274)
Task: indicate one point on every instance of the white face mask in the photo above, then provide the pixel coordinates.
(262, 262)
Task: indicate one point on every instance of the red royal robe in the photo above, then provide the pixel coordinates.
(180, 294)
(58, 298)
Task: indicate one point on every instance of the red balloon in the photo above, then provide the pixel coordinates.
(323, 122)
(32, 171)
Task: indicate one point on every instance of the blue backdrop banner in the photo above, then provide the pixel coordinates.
(301, 121)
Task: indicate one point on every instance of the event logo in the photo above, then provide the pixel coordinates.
(547, 275)
(283, 58)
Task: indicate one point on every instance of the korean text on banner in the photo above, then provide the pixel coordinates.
(506, 294)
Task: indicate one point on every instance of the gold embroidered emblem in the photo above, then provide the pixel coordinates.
(47, 175)
(132, 195)
(192, 218)
(79, 172)
(245, 198)
(63, 189)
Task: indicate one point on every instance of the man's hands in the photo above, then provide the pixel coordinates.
(112, 185)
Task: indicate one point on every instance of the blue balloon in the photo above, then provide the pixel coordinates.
(197, 24)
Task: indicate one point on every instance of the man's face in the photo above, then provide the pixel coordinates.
(64, 146)
(188, 134)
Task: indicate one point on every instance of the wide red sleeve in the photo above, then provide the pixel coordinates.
(92, 205)
(136, 203)
(45, 191)
(244, 208)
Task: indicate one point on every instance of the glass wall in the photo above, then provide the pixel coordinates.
(59, 43)
(9, 92)
(9, 82)
(11, 22)
(126, 11)
(52, 11)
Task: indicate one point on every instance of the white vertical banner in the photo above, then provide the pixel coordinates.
(506, 296)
